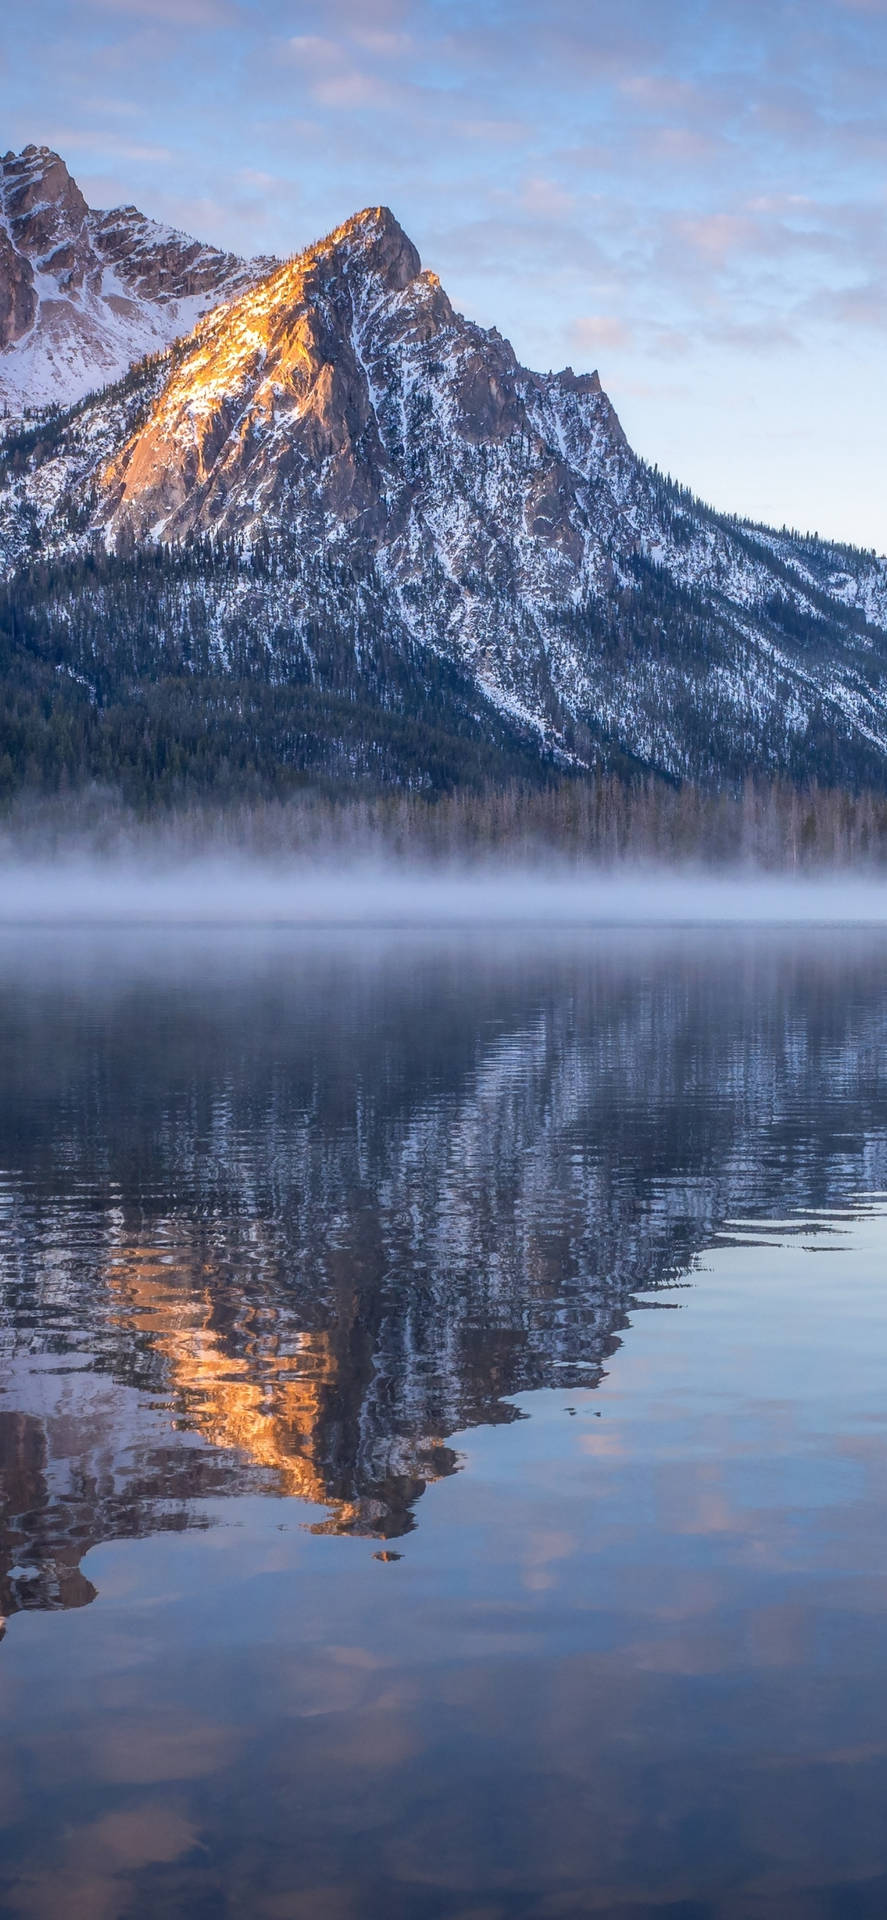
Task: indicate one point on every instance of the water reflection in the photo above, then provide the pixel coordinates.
(285, 1218)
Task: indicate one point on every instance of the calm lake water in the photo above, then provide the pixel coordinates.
(443, 1426)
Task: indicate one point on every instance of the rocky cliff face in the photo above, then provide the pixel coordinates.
(347, 386)
(340, 416)
(83, 294)
(18, 295)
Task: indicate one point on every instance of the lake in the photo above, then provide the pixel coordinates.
(443, 1425)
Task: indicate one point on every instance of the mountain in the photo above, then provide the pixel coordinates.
(341, 530)
(82, 293)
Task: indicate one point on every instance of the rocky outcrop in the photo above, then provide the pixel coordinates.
(159, 265)
(272, 403)
(18, 296)
(44, 208)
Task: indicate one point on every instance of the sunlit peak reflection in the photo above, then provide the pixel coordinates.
(282, 1399)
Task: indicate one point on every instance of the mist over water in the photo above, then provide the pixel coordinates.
(238, 890)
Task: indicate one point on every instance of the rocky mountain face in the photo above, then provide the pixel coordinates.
(381, 481)
(84, 293)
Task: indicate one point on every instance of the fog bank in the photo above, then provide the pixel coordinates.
(230, 890)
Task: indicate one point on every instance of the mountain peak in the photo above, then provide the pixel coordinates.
(43, 206)
(84, 293)
(34, 161)
(377, 238)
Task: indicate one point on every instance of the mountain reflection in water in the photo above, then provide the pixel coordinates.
(287, 1216)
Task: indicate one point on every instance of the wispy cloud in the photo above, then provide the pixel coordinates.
(102, 143)
(593, 330)
(176, 13)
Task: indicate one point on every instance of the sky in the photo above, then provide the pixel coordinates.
(689, 195)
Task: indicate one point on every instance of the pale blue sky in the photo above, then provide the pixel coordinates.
(690, 195)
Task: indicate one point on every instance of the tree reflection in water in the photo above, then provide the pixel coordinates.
(286, 1217)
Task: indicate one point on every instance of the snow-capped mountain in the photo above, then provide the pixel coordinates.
(389, 484)
(83, 293)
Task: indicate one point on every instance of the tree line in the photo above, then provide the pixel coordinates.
(605, 821)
